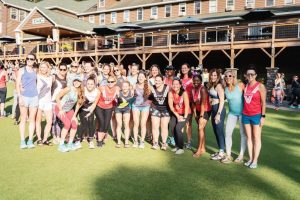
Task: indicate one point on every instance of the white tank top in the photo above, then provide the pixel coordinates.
(91, 96)
(44, 85)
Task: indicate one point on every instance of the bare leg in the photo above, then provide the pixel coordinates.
(155, 128)
(144, 118)
(32, 115)
(136, 121)
(24, 113)
(257, 143)
(38, 121)
(47, 129)
(164, 124)
(248, 131)
(126, 119)
(119, 127)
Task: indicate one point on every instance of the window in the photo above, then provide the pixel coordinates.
(13, 13)
(182, 9)
(248, 2)
(217, 34)
(101, 3)
(197, 7)
(113, 17)
(230, 3)
(154, 12)
(168, 10)
(92, 19)
(102, 19)
(212, 6)
(22, 15)
(288, 2)
(260, 29)
(81, 18)
(139, 14)
(270, 2)
(126, 17)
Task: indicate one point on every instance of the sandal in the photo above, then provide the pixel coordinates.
(227, 160)
(214, 154)
(164, 147)
(239, 160)
(47, 143)
(253, 166)
(219, 156)
(39, 142)
(248, 163)
(126, 146)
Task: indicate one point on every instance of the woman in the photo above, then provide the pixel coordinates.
(89, 70)
(44, 84)
(179, 105)
(104, 74)
(118, 75)
(3, 89)
(253, 116)
(278, 92)
(154, 71)
(73, 72)
(216, 94)
(234, 96)
(134, 74)
(86, 112)
(187, 83)
(140, 109)
(28, 99)
(122, 113)
(65, 101)
(105, 107)
(202, 111)
(160, 115)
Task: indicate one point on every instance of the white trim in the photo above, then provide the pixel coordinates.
(299, 29)
(209, 5)
(20, 15)
(285, 2)
(165, 14)
(17, 13)
(102, 14)
(61, 8)
(101, 6)
(124, 19)
(246, 2)
(92, 19)
(137, 6)
(195, 7)
(233, 6)
(16, 6)
(179, 9)
(215, 28)
(274, 3)
(151, 12)
(111, 18)
(137, 14)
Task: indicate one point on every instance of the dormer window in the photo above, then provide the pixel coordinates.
(101, 3)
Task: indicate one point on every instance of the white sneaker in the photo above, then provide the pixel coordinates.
(78, 145)
(179, 151)
(142, 145)
(174, 149)
(91, 145)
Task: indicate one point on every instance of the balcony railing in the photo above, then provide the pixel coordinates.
(147, 41)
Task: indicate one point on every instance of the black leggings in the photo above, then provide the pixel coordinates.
(176, 129)
(86, 124)
(103, 116)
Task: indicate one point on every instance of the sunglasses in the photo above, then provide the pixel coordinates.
(63, 70)
(116, 70)
(228, 76)
(250, 74)
(74, 66)
(32, 59)
(110, 81)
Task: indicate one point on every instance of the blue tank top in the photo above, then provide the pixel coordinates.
(69, 100)
(29, 86)
(235, 100)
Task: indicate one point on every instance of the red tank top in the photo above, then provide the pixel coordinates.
(187, 84)
(252, 100)
(168, 81)
(107, 98)
(196, 97)
(2, 79)
(178, 104)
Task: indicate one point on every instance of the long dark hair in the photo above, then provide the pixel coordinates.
(190, 74)
(146, 86)
(210, 83)
(181, 90)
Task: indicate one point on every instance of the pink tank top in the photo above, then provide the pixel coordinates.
(2, 80)
(107, 98)
(178, 104)
(196, 97)
(252, 100)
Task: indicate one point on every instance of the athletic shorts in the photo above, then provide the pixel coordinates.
(122, 110)
(159, 113)
(45, 106)
(29, 102)
(140, 108)
(206, 115)
(3, 92)
(253, 120)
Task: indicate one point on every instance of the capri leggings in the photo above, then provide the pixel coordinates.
(67, 119)
(103, 116)
(3, 92)
(177, 129)
(86, 124)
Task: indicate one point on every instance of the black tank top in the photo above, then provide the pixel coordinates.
(159, 99)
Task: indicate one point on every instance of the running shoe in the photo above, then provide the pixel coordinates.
(100, 144)
(135, 145)
(248, 163)
(188, 146)
(155, 146)
(71, 147)
(142, 145)
(91, 145)
(78, 145)
(23, 145)
(164, 146)
(62, 148)
(30, 144)
(179, 151)
(174, 149)
(291, 106)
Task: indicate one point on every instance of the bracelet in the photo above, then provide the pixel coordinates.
(218, 113)
(263, 116)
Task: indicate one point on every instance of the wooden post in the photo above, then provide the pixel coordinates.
(273, 47)
(200, 57)
(232, 53)
(144, 61)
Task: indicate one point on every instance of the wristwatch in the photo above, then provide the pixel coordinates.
(264, 116)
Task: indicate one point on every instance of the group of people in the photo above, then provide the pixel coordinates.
(81, 101)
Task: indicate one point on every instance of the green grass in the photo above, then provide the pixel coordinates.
(110, 173)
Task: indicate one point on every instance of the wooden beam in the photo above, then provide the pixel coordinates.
(92, 58)
(122, 57)
(175, 55)
(239, 52)
(141, 59)
(115, 58)
(225, 53)
(195, 54)
(283, 48)
(205, 54)
(266, 52)
(148, 56)
(165, 56)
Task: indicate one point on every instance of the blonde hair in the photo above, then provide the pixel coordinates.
(47, 64)
(234, 82)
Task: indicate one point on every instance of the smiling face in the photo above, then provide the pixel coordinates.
(134, 70)
(141, 78)
(74, 68)
(169, 73)
(117, 71)
(90, 85)
(106, 69)
(125, 87)
(88, 67)
(228, 78)
(111, 82)
(30, 60)
(176, 85)
(63, 70)
(196, 81)
(213, 77)
(154, 71)
(76, 83)
(44, 69)
(158, 81)
(184, 69)
(251, 75)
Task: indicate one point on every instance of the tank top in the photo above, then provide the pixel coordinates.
(213, 94)
(44, 85)
(125, 101)
(196, 95)
(140, 101)
(2, 79)
(187, 84)
(178, 104)
(71, 77)
(28, 81)
(159, 99)
(90, 96)
(87, 76)
(132, 80)
(235, 100)
(57, 86)
(107, 98)
(103, 81)
(168, 81)
(69, 100)
(252, 100)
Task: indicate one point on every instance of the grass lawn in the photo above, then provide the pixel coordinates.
(110, 173)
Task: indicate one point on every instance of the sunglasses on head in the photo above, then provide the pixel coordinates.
(251, 74)
(30, 59)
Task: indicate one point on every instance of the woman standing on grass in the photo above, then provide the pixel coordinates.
(253, 115)
(28, 99)
(86, 112)
(122, 113)
(105, 107)
(65, 101)
(140, 108)
(160, 115)
(234, 96)
(278, 91)
(216, 94)
(179, 105)
(202, 111)
(44, 84)
(187, 83)
(3, 89)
